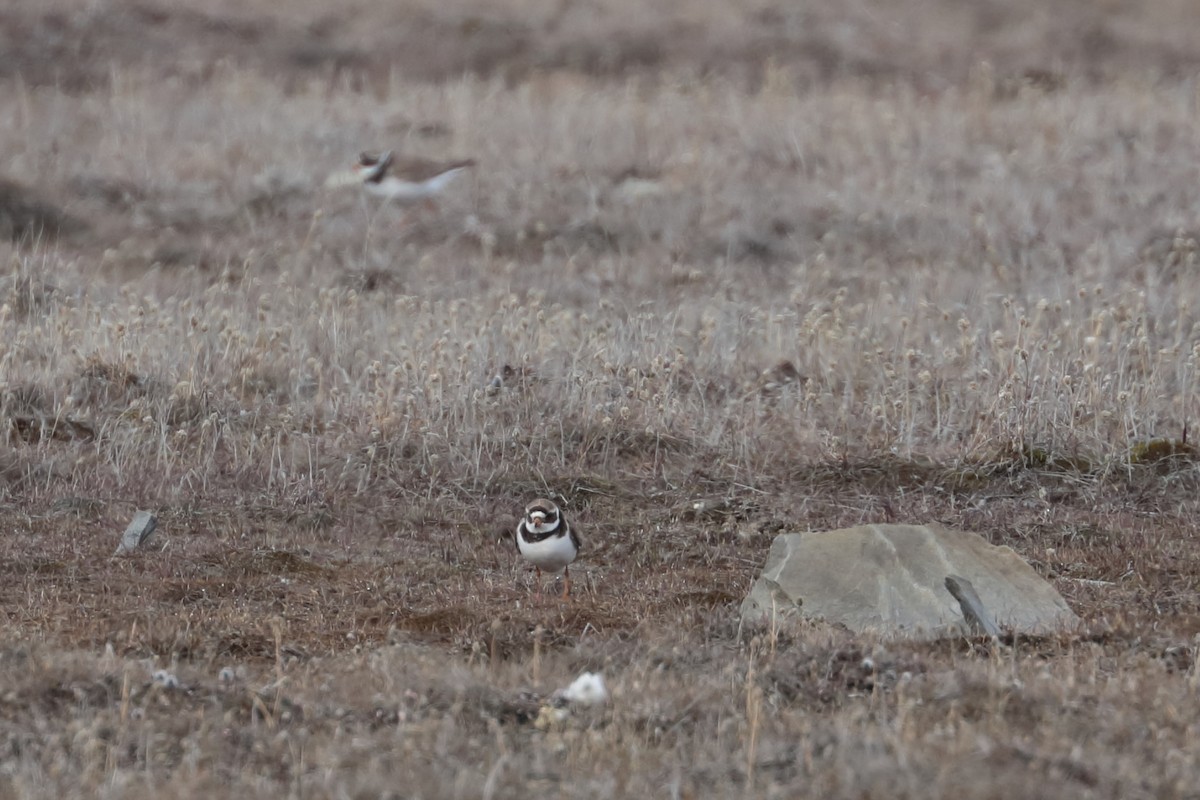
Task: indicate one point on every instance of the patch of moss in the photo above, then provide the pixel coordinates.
(1154, 451)
(1032, 457)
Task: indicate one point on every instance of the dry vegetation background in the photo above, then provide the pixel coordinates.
(742, 268)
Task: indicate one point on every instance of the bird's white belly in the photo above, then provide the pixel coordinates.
(550, 555)
(400, 191)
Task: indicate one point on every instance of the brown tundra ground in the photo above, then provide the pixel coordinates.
(743, 268)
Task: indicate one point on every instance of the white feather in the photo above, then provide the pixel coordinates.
(586, 690)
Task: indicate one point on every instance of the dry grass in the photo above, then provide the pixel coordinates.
(739, 272)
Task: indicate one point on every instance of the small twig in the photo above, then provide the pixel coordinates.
(1090, 581)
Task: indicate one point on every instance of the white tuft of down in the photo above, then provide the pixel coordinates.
(586, 690)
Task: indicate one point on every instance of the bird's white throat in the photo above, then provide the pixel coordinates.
(540, 527)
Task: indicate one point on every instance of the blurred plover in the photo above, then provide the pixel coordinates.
(407, 181)
(548, 541)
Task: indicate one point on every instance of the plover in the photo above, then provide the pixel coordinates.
(546, 540)
(407, 181)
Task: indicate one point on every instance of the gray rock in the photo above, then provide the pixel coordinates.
(137, 533)
(891, 580)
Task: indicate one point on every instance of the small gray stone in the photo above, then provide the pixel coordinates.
(137, 533)
(973, 610)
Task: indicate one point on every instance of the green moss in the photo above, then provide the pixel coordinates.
(1032, 457)
(1154, 451)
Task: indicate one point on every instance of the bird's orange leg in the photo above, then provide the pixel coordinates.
(537, 594)
(566, 582)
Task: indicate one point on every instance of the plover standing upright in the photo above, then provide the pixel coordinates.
(546, 540)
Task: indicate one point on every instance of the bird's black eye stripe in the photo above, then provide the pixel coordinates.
(551, 516)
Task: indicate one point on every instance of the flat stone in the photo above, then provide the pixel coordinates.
(891, 580)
